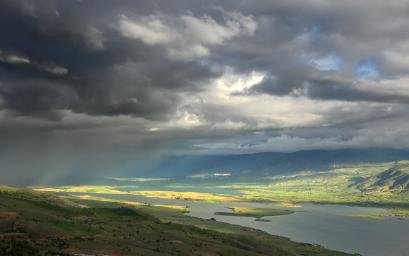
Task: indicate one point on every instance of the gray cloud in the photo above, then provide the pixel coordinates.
(150, 78)
(56, 58)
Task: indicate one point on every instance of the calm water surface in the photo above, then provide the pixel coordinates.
(327, 225)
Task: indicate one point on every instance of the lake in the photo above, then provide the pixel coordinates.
(326, 225)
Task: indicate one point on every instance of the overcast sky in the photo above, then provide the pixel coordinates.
(98, 84)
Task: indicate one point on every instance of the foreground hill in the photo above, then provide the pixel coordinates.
(34, 223)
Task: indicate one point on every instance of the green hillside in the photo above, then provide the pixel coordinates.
(381, 185)
(35, 223)
(395, 179)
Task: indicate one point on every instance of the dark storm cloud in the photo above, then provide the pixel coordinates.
(59, 55)
(71, 55)
(116, 79)
(324, 88)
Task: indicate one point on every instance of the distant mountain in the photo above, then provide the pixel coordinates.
(271, 163)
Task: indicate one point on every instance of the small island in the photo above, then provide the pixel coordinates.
(254, 212)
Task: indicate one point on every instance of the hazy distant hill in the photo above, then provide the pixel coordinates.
(269, 163)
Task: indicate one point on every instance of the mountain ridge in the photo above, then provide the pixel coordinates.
(268, 163)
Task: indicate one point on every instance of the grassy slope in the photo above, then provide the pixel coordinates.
(380, 185)
(350, 185)
(49, 225)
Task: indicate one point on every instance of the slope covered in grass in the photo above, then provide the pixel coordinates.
(35, 223)
(395, 179)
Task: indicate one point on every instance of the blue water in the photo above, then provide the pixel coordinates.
(326, 225)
